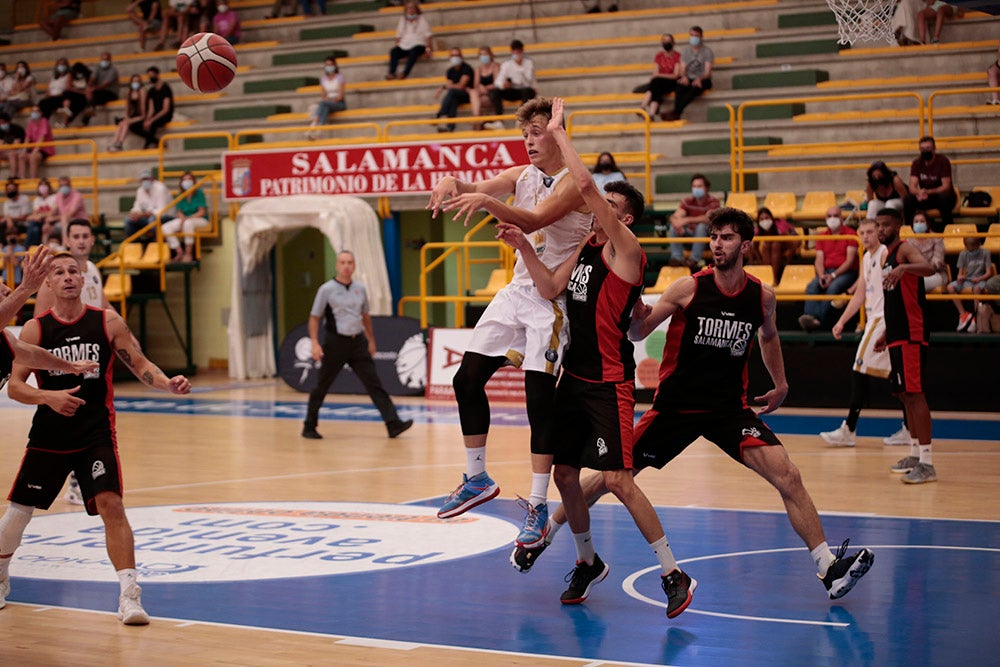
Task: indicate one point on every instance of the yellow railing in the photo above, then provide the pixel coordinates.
(945, 93)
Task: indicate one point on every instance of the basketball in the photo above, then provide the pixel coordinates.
(206, 62)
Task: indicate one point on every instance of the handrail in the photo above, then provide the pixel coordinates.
(957, 91)
(450, 248)
(66, 142)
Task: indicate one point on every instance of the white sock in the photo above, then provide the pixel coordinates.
(475, 461)
(823, 558)
(553, 528)
(584, 547)
(539, 488)
(126, 577)
(663, 554)
(925, 453)
(914, 447)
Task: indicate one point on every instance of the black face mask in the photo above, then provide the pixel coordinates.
(604, 166)
(883, 181)
(926, 156)
(12, 194)
(668, 46)
(154, 80)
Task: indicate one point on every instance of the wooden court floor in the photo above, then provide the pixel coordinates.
(203, 458)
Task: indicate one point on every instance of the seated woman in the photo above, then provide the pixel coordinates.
(31, 158)
(606, 171)
(192, 215)
(933, 251)
(776, 254)
(332, 83)
(135, 105)
(666, 71)
(883, 187)
(483, 82)
(43, 213)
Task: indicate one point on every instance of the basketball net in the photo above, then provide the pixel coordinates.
(864, 20)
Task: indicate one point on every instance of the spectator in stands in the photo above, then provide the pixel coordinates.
(54, 240)
(205, 19)
(516, 81)
(933, 251)
(938, 12)
(66, 11)
(69, 206)
(159, 109)
(975, 267)
(457, 82)
(992, 79)
(102, 86)
(16, 210)
(691, 219)
(282, 8)
(11, 134)
(179, 14)
(904, 22)
(226, 22)
(58, 85)
(43, 210)
(192, 215)
(13, 253)
(307, 6)
(147, 17)
(666, 72)
(152, 198)
(776, 254)
(32, 157)
(6, 84)
(135, 113)
(931, 185)
(413, 40)
(836, 269)
(988, 311)
(696, 64)
(606, 170)
(332, 83)
(75, 97)
(883, 187)
(483, 82)
(22, 91)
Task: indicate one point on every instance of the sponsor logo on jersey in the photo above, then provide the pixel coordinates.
(578, 282)
(602, 447)
(723, 333)
(97, 469)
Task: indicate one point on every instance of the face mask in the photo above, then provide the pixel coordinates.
(147, 185)
(833, 222)
(411, 17)
(54, 245)
(919, 227)
(43, 190)
(330, 69)
(604, 166)
(4, 127)
(484, 60)
(223, 9)
(21, 71)
(517, 57)
(12, 194)
(34, 115)
(695, 40)
(61, 69)
(765, 223)
(926, 156)
(64, 190)
(455, 61)
(105, 64)
(668, 46)
(697, 193)
(136, 85)
(154, 79)
(187, 183)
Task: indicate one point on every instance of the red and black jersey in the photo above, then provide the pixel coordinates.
(904, 304)
(86, 338)
(708, 347)
(599, 307)
(6, 360)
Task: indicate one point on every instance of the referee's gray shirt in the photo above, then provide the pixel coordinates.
(342, 306)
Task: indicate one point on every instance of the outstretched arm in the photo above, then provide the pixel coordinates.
(127, 348)
(549, 283)
(450, 187)
(61, 401)
(564, 199)
(41, 359)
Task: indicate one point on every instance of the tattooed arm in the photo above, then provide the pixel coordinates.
(127, 348)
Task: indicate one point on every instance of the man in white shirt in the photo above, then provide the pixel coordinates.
(152, 197)
(516, 81)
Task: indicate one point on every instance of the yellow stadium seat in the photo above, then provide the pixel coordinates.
(985, 212)
(497, 281)
(667, 276)
(815, 205)
(857, 196)
(117, 285)
(781, 204)
(795, 278)
(807, 251)
(762, 272)
(993, 243)
(131, 253)
(156, 254)
(744, 201)
(954, 243)
(934, 213)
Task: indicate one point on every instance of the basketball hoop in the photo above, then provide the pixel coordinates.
(864, 20)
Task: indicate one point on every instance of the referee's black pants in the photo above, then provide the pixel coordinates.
(337, 351)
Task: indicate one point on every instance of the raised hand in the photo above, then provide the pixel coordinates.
(556, 122)
(35, 267)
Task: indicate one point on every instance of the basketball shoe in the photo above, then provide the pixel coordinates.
(130, 611)
(904, 465)
(536, 524)
(582, 579)
(844, 572)
(522, 557)
(473, 491)
(922, 472)
(679, 588)
(840, 437)
(900, 437)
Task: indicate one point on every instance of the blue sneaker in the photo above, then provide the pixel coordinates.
(536, 525)
(471, 492)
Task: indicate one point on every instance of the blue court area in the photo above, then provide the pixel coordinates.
(929, 599)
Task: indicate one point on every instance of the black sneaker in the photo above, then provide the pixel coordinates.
(582, 579)
(843, 572)
(522, 558)
(311, 433)
(679, 588)
(397, 427)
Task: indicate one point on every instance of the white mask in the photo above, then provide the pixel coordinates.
(833, 222)
(187, 183)
(223, 9)
(455, 61)
(765, 223)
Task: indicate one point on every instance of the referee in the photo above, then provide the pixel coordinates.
(343, 303)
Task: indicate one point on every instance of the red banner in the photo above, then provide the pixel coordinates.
(366, 170)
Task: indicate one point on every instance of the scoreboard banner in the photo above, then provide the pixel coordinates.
(366, 170)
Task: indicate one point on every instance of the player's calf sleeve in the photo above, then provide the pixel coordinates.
(470, 391)
(539, 390)
(12, 526)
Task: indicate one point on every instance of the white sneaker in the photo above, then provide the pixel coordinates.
(494, 125)
(900, 437)
(130, 611)
(840, 437)
(4, 591)
(73, 495)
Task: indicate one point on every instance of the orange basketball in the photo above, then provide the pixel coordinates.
(206, 62)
